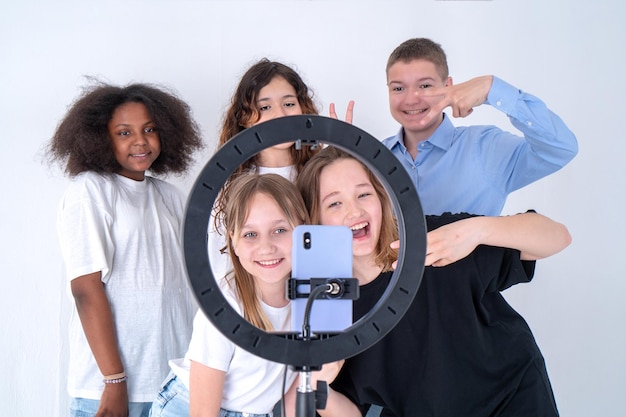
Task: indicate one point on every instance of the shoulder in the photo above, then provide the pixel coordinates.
(90, 179)
(89, 186)
(391, 141)
(202, 324)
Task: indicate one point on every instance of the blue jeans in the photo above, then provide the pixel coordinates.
(82, 407)
(173, 401)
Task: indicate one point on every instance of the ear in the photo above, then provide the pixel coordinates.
(449, 82)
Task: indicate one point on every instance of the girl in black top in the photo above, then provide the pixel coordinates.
(460, 350)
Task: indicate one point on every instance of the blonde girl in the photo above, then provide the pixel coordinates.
(216, 377)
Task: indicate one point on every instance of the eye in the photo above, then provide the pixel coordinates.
(290, 104)
(124, 132)
(265, 108)
(423, 86)
(249, 235)
(334, 204)
(280, 230)
(150, 129)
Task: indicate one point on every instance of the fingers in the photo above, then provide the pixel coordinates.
(430, 116)
(461, 98)
(433, 257)
(350, 111)
(331, 111)
(438, 99)
(461, 111)
(432, 260)
(394, 245)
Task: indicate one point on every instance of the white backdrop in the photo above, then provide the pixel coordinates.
(569, 53)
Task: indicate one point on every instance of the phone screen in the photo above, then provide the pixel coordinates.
(321, 252)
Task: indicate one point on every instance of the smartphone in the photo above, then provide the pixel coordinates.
(321, 253)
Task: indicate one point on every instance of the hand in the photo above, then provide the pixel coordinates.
(114, 401)
(349, 111)
(461, 98)
(449, 243)
(452, 242)
(395, 245)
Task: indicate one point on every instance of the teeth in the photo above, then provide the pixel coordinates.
(415, 111)
(359, 226)
(269, 263)
(139, 154)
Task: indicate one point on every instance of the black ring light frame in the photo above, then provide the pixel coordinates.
(287, 348)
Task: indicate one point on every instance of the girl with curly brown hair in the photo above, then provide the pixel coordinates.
(119, 231)
(267, 90)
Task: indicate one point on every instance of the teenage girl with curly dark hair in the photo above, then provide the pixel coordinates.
(267, 90)
(120, 231)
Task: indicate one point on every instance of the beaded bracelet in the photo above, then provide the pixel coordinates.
(115, 380)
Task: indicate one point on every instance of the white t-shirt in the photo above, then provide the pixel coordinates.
(131, 232)
(252, 384)
(220, 262)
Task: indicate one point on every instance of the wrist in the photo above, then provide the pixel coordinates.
(115, 378)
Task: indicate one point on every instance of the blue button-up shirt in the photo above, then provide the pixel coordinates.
(473, 169)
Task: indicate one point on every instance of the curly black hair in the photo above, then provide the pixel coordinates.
(81, 141)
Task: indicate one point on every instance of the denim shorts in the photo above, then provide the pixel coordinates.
(173, 401)
(83, 407)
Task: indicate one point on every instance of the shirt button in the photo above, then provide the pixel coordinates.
(529, 123)
(499, 102)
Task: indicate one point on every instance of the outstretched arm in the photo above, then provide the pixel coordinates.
(547, 144)
(96, 318)
(534, 235)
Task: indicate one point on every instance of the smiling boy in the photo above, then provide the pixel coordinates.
(467, 169)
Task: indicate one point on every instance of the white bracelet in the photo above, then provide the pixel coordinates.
(115, 380)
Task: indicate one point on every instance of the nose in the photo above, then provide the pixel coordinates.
(140, 139)
(414, 94)
(281, 111)
(353, 210)
(265, 246)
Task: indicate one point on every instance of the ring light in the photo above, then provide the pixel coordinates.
(289, 349)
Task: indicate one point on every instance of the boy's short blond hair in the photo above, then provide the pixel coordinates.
(420, 48)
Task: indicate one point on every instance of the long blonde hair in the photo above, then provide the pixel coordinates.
(308, 183)
(236, 211)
